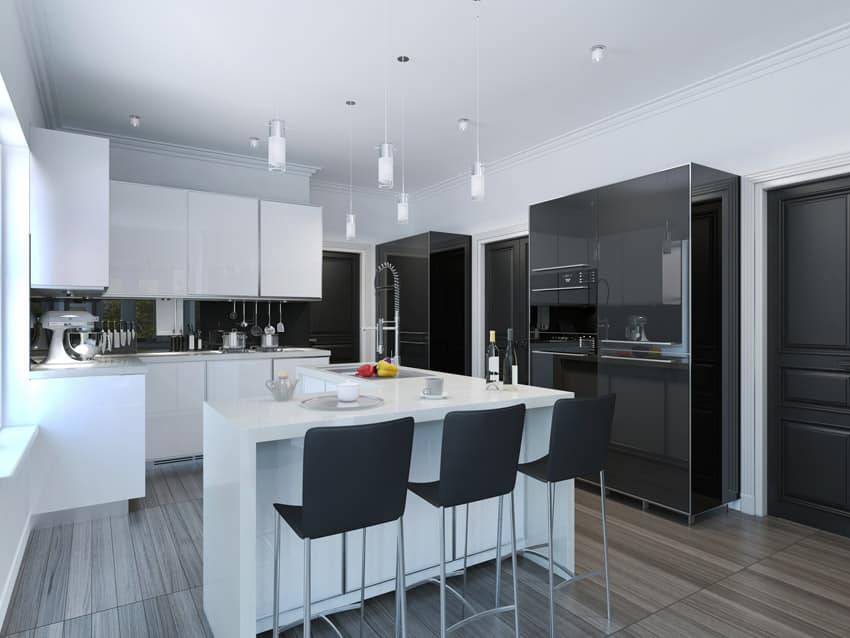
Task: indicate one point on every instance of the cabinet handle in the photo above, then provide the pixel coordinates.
(548, 268)
(844, 365)
(611, 356)
(561, 354)
(560, 288)
(631, 343)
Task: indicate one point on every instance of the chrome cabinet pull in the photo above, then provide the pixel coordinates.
(548, 268)
(561, 354)
(611, 356)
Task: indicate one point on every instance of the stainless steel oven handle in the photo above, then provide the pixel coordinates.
(611, 356)
(632, 343)
(561, 288)
(548, 268)
(561, 354)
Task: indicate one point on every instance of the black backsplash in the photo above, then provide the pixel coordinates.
(212, 316)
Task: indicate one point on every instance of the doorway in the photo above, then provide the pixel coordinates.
(335, 320)
(808, 435)
(506, 296)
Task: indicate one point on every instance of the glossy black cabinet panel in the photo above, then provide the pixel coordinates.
(435, 278)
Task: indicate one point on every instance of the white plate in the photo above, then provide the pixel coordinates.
(331, 403)
(434, 397)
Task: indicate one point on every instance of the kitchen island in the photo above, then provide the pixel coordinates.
(252, 458)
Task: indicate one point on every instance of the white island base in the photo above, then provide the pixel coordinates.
(253, 458)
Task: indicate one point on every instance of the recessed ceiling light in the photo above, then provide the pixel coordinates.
(253, 142)
(597, 52)
(462, 124)
(350, 102)
(135, 121)
(403, 58)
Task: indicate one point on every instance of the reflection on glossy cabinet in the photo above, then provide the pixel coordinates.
(291, 250)
(242, 379)
(174, 398)
(223, 241)
(147, 235)
(69, 210)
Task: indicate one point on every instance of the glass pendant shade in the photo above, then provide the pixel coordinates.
(277, 146)
(403, 209)
(350, 226)
(385, 166)
(476, 182)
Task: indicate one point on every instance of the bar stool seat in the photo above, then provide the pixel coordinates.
(354, 477)
(536, 469)
(428, 491)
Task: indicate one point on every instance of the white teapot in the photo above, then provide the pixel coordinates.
(282, 388)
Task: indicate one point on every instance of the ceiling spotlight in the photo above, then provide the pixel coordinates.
(135, 121)
(597, 52)
(254, 142)
(403, 58)
(350, 102)
(462, 124)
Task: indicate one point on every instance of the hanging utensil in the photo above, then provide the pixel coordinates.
(116, 336)
(280, 326)
(122, 333)
(269, 329)
(233, 314)
(133, 333)
(256, 331)
(108, 339)
(244, 323)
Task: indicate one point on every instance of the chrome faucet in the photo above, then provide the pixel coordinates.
(383, 325)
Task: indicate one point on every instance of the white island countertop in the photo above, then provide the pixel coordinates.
(268, 420)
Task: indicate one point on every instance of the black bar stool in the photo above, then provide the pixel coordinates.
(354, 477)
(479, 458)
(578, 446)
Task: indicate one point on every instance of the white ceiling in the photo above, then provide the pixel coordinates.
(210, 73)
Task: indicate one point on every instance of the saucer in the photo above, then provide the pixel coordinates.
(434, 397)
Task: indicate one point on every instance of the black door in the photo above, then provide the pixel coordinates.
(809, 354)
(335, 320)
(506, 296)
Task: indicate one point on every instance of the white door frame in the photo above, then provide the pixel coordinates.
(479, 254)
(754, 372)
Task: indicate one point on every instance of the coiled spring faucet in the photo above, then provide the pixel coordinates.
(383, 325)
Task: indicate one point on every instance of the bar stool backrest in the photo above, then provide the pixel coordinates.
(480, 454)
(578, 443)
(355, 476)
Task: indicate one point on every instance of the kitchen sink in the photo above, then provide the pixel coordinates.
(403, 373)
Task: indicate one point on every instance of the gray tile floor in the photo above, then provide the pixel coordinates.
(730, 575)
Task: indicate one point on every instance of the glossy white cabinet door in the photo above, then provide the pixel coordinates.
(223, 240)
(174, 399)
(148, 235)
(242, 379)
(291, 250)
(69, 210)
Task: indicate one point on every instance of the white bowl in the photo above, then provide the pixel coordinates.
(348, 391)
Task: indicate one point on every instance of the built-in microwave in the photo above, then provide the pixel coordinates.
(563, 285)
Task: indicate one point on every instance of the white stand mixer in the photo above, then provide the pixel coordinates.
(58, 322)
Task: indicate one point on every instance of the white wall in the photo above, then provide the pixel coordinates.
(375, 212)
(16, 69)
(165, 165)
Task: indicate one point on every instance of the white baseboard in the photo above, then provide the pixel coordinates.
(12, 576)
(79, 514)
(746, 504)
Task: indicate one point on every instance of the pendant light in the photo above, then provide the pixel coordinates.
(476, 182)
(350, 221)
(385, 150)
(277, 146)
(403, 206)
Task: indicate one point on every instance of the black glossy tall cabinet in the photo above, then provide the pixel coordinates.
(659, 258)
(435, 278)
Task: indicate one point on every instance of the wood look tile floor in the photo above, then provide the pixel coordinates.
(140, 575)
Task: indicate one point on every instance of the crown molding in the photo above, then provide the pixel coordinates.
(38, 50)
(799, 169)
(192, 152)
(796, 53)
(338, 187)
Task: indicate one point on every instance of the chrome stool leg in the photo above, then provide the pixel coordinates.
(465, 555)
(276, 602)
(401, 586)
(605, 545)
(551, 514)
(307, 606)
(513, 563)
(363, 582)
(442, 572)
(499, 554)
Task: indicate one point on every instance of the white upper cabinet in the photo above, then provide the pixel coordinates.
(148, 235)
(69, 211)
(291, 251)
(223, 239)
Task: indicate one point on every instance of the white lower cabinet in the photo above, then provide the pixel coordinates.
(240, 379)
(174, 398)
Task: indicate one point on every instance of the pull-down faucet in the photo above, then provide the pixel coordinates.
(383, 325)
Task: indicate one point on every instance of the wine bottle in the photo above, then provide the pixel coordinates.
(492, 361)
(510, 369)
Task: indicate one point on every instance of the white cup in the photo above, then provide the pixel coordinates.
(348, 391)
(433, 386)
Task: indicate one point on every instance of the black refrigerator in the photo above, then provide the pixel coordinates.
(435, 280)
(634, 291)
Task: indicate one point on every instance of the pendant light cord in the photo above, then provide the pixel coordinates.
(403, 144)
(386, 69)
(350, 160)
(477, 87)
